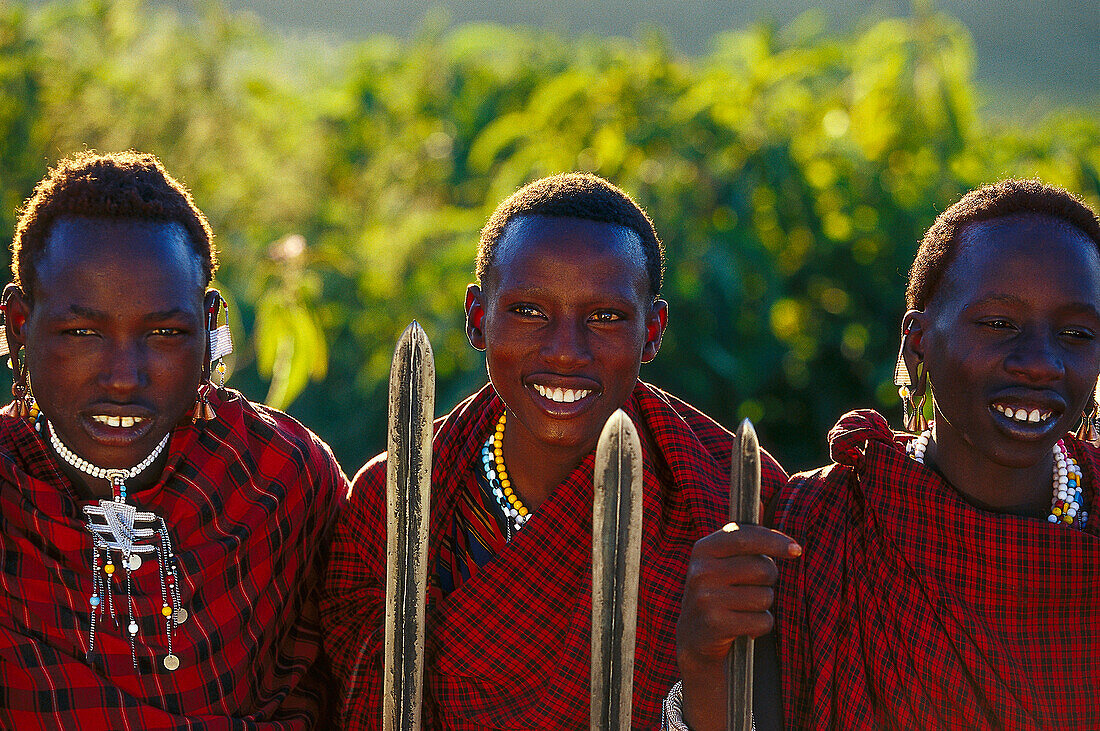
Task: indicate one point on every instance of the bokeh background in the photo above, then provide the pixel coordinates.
(347, 154)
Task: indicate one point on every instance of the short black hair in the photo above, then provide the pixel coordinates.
(1005, 198)
(574, 195)
(128, 185)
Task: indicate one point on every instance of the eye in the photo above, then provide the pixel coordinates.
(606, 316)
(167, 331)
(1079, 333)
(998, 323)
(79, 332)
(524, 310)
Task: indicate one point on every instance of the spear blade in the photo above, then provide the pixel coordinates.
(408, 485)
(616, 555)
(744, 510)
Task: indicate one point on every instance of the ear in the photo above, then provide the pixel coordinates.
(913, 326)
(16, 312)
(211, 303)
(654, 329)
(475, 314)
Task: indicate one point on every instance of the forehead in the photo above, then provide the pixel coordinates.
(534, 246)
(1022, 254)
(134, 258)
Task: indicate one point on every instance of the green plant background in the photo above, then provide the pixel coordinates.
(790, 171)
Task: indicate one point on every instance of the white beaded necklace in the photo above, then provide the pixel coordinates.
(1067, 503)
(117, 526)
(116, 477)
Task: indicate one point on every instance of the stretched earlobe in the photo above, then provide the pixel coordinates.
(655, 329)
(475, 315)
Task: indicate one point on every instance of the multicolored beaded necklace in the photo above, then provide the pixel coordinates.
(492, 461)
(1067, 504)
(117, 526)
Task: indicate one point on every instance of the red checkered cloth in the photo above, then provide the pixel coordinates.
(912, 609)
(509, 648)
(248, 498)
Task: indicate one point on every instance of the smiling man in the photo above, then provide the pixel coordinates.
(160, 538)
(567, 309)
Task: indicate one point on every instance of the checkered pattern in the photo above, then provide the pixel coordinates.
(912, 609)
(247, 499)
(509, 648)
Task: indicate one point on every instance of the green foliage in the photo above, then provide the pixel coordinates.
(790, 173)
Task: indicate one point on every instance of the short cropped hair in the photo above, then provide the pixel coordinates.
(1006, 198)
(574, 195)
(121, 185)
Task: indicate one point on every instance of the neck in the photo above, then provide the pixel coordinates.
(536, 469)
(994, 487)
(88, 487)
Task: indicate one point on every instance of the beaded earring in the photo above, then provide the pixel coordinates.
(220, 344)
(1089, 431)
(913, 392)
(20, 381)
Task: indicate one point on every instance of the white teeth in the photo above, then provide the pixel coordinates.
(1023, 415)
(561, 396)
(117, 421)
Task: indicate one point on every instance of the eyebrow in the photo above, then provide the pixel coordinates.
(1010, 299)
(93, 314)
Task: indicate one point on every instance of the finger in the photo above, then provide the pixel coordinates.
(719, 629)
(722, 600)
(734, 539)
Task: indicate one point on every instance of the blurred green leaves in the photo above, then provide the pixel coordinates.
(790, 173)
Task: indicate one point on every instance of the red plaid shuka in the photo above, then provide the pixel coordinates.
(912, 609)
(248, 498)
(509, 648)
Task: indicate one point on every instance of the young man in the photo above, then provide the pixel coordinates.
(567, 309)
(161, 540)
(950, 577)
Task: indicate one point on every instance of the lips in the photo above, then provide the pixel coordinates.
(116, 426)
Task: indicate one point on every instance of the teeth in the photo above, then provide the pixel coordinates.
(566, 396)
(117, 421)
(1023, 415)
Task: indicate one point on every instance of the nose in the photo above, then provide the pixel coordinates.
(566, 347)
(1036, 356)
(125, 369)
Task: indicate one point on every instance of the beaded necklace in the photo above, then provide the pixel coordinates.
(1067, 503)
(117, 526)
(515, 512)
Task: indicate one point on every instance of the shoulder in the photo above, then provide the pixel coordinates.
(714, 438)
(275, 441)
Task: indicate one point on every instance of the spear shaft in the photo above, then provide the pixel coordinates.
(408, 486)
(616, 557)
(744, 510)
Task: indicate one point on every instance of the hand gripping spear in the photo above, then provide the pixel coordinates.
(408, 487)
(744, 510)
(616, 555)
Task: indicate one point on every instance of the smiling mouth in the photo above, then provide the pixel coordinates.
(119, 422)
(1025, 416)
(562, 395)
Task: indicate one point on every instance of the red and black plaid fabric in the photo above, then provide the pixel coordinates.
(912, 609)
(248, 499)
(509, 648)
